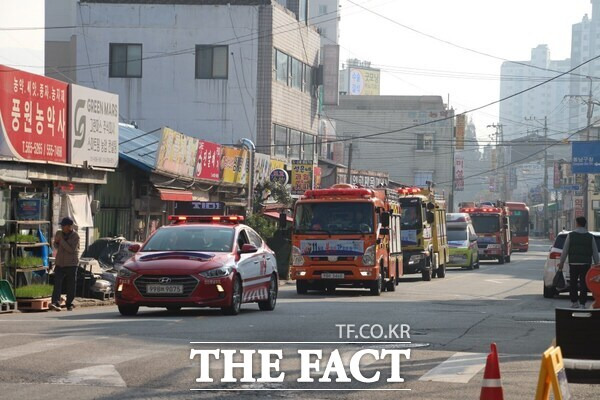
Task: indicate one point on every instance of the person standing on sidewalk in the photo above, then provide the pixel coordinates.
(66, 243)
(581, 249)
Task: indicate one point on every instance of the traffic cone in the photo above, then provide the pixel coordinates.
(491, 389)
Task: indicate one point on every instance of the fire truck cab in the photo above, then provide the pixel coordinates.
(424, 240)
(493, 231)
(346, 236)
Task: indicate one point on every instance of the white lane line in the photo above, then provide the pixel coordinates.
(123, 355)
(459, 368)
(40, 346)
(494, 281)
(98, 375)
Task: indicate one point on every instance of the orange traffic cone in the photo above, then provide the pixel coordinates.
(491, 389)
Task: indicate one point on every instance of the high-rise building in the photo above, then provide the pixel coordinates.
(585, 44)
(545, 101)
(325, 15)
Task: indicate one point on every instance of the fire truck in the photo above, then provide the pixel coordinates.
(423, 234)
(491, 225)
(346, 236)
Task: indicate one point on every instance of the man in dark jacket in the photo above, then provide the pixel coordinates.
(66, 242)
(580, 247)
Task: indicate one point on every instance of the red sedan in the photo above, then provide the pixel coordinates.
(199, 262)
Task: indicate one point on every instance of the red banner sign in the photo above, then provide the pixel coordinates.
(208, 161)
(33, 116)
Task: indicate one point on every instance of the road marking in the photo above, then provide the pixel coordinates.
(99, 321)
(459, 368)
(494, 281)
(98, 375)
(40, 346)
(122, 356)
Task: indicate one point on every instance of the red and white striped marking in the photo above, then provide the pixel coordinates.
(255, 294)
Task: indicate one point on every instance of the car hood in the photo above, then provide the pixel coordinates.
(176, 262)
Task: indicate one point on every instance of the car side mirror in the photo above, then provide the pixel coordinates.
(248, 248)
(430, 206)
(385, 219)
(134, 248)
(430, 217)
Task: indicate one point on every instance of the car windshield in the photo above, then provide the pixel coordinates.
(486, 223)
(191, 238)
(335, 217)
(411, 214)
(457, 235)
(519, 222)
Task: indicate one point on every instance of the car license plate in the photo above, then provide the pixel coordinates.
(329, 275)
(164, 289)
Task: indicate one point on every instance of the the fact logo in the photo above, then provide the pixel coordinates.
(304, 366)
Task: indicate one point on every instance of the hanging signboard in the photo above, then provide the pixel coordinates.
(262, 168)
(208, 161)
(460, 131)
(586, 157)
(93, 127)
(459, 178)
(302, 176)
(177, 153)
(33, 116)
(234, 165)
(578, 206)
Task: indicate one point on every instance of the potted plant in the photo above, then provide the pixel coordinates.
(36, 291)
(25, 262)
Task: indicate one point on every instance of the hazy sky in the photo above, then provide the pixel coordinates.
(504, 28)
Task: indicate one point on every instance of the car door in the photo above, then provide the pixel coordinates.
(268, 261)
(249, 264)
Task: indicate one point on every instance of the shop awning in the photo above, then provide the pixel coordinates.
(175, 195)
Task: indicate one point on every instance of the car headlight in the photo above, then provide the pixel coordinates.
(369, 256)
(217, 272)
(297, 258)
(125, 273)
(494, 246)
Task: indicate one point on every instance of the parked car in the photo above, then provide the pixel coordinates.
(199, 261)
(111, 252)
(462, 241)
(551, 266)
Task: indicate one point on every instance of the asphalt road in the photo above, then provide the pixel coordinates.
(96, 353)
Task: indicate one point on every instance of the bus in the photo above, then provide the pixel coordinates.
(519, 221)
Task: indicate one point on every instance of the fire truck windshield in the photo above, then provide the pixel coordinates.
(411, 214)
(486, 223)
(334, 218)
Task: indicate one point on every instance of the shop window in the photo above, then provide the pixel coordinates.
(295, 145)
(125, 60)
(212, 62)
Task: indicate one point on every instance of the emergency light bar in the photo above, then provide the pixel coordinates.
(182, 219)
(413, 190)
(356, 192)
(482, 210)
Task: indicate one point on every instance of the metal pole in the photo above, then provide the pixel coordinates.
(545, 175)
(453, 171)
(349, 175)
(588, 132)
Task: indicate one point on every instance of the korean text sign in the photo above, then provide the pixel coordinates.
(33, 116)
(94, 127)
(302, 176)
(234, 163)
(586, 157)
(177, 153)
(208, 161)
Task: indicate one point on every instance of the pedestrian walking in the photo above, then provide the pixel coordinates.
(580, 247)
(66, 243)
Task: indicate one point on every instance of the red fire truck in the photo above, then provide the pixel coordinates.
(346, 236)
(491, 225)
(519, 224)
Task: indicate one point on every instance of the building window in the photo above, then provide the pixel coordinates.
(322, 9)
(281, 62)
(422, 177)
(280, 140)
(308, 79)
(296, 72)
(309, 147)
(295, 144)
(125, 60)
(212, 62)
(302, 10)
(425, 141)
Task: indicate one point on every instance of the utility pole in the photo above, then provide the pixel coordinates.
(452, 171)
(500, 156)
(349, 175)
(590, 112)
(546, 175)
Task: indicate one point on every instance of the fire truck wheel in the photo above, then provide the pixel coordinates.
(269, 303)
(301, 287)
(501, 259)
(508, 259)
(426, 274)
(330, 289)
(377, 286)
(441, 271)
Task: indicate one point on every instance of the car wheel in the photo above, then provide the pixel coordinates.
(501, 259)
(173, 308)
(128, 310)
(269, 303)
(471, 264)
(441, 271)
(391, 283)
(377, 286)
(508, 258)
(477, 264)
(426, 274)
(236, 298)
(301, 287)
(549, 292)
